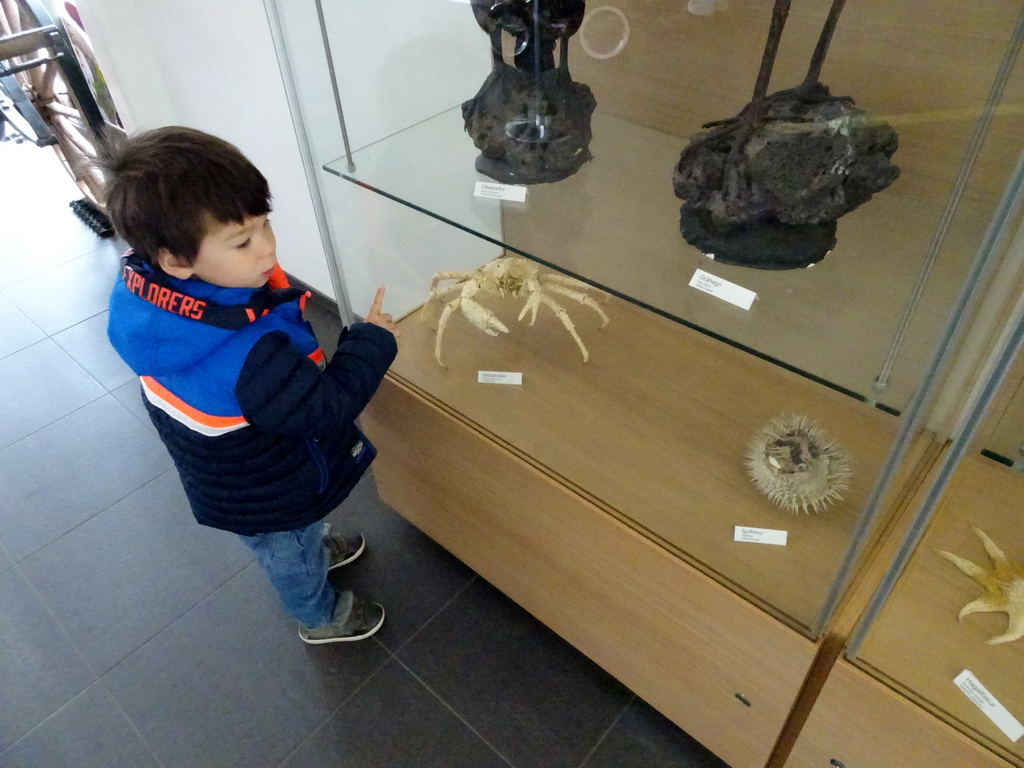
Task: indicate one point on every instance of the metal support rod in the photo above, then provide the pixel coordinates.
(960, 184)
(914, 416)
(291, 93)
(334, 85)
(771, 47)
(1007, 356)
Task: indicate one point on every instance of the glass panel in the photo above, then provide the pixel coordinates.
(616, 222)
(968, 565)
(654, 428)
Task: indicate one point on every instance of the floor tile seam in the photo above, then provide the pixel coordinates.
(169, 623)
(55, 267)
(67, 634)
(51, 334)
(163, 626)
(95, 677)
(63, 416)
(437, 613)
(455, 712)
(28, 319)
(359, 686)
(107, 673)
(22, 349)
(75, 359)
(98, 512)
(75, 325)
(142, 418)
(103, 394)
(42, 722)
(134, 727)
(604, 735)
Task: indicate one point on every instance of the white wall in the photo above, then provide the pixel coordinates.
(211, 66)
(397, 63)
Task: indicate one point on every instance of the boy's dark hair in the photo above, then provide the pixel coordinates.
(166, 186)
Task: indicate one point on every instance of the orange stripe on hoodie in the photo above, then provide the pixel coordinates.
(179, 410)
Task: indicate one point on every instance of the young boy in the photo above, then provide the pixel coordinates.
(261, 431)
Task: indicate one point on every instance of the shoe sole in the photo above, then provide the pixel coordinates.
(351, 639)
(350, 558)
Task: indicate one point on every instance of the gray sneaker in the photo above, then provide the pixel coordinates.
(364, 619)
(343, 550)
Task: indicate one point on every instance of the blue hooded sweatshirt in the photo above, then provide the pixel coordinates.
(261, 430)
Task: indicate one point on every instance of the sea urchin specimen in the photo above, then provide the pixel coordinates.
(795, 464)
(1004, 588)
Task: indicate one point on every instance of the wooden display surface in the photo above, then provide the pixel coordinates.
(917, 644)
(859, 723)
(653, 430)
(723, 670)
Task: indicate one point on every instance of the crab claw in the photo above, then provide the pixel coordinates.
(530, 307)
(482, 318)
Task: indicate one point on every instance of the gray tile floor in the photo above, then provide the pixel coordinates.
(130, 636)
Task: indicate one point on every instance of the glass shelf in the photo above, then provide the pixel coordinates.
(615, 224)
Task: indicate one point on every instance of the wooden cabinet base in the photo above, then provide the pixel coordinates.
(722, 669)
(859, 722)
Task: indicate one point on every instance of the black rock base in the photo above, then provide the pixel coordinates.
(758, 244)
(530, 130)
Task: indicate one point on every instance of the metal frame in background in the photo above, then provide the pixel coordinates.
(49, 35)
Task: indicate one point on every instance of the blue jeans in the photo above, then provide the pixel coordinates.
(296, 562)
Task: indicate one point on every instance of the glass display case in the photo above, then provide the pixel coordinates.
(856, 329)
(946, 628)
(727, 272)
(943, 635)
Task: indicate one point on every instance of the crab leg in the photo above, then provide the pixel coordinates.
(439, 276)
(482, 317)
(533, 300)
(554, 277)
(440, 294)
(566, 321)
(582, 298)
(446, 313)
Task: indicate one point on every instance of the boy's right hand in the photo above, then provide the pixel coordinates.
(381, 319)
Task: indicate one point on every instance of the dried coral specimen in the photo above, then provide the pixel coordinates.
(796, 465)
(1004, 588)
(765, 188)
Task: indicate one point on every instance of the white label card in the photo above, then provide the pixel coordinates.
(723, 289)
(498, 377)
(760, 536)
(987, 703)
(494, 191)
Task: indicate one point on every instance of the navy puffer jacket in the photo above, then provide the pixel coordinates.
(262, 436)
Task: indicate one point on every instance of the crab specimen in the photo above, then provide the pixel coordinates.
(794, 463)
(1004, 588)
(508, 276)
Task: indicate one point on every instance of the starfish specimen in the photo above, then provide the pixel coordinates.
(1004, 588)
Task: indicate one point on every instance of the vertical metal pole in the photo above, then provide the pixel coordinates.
(1007, 356)
(334, 85)
(914, 416)
(295, 107)
(959, 185)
